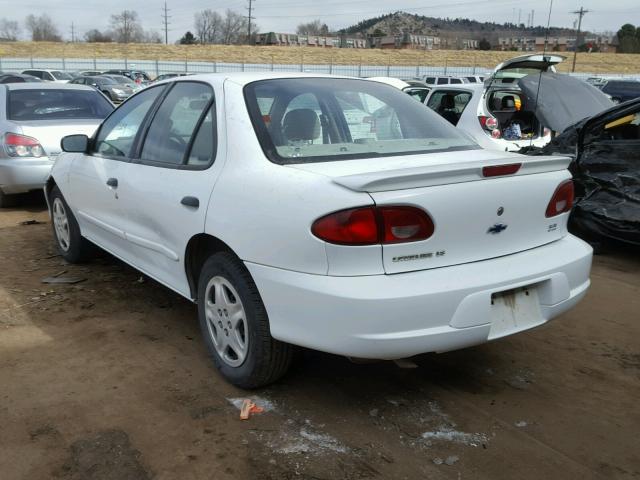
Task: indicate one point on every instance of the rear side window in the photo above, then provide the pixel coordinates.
(175, 122)
(203, 149)
(456, 80)
(118, 132)
(33, 104)
(443, 81)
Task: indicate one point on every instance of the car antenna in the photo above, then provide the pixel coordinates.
(544, 51)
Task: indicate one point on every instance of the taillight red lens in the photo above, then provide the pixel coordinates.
(22, 146)
(374, 225)
(490, 123)
(356, 226)
(499, 170)
(405, 224)
(562, 199)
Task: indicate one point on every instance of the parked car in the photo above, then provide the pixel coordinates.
(606, 170)
(596, 81)
(621, 90)
(33, 119)
(432, 80)
(279, 205)
(166, 76)
(88, 73)
(55, 76)
(114, 91)
(18, 78)
(501, 115)
(417, 90)
(135, 75)
(122, 80)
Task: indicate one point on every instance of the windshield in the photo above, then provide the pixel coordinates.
(49, 104)
(122, 80)
(324, 119)
(61, 75)
(104, 81)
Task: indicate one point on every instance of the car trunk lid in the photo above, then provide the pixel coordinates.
(50, 132)
(476, 216)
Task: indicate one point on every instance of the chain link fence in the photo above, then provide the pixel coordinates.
(158, 67)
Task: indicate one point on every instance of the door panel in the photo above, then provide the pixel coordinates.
(177, 162)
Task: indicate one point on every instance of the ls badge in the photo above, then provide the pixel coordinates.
(497, 228)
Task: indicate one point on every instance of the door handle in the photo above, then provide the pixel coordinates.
(190, 202)
(113, 182)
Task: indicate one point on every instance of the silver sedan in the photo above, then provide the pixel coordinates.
(33, 119)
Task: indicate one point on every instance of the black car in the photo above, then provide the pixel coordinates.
(606, 170)
(622, 90)
(17, 78)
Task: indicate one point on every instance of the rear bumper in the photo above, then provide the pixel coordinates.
(396, 316)
(19, 175)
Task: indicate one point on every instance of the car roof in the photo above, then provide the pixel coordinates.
(47, 86)
(244, 78)
(460, 86)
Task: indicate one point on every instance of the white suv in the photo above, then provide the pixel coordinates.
(56, 76)
(331, 213)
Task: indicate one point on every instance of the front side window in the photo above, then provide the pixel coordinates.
(50, 104)
(61, 75)
(118, 132)
(324, 119)
(174, 123)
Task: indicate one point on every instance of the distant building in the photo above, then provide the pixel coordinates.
(603, 43)
(325, 41)
(406, 41)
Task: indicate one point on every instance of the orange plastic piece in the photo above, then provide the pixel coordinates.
(248, 407)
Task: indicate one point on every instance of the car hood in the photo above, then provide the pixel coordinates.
(562, 100)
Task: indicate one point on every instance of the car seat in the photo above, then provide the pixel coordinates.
(301, 125)
(447, 109)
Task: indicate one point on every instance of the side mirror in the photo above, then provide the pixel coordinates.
(75, 143)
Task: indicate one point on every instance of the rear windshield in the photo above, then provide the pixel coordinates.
(307, 120)
(52, 104)
(61, 75)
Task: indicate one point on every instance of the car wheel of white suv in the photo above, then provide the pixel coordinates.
(235, 325)
(71, 245)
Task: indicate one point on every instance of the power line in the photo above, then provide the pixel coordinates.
(165, 21)
(581, 13)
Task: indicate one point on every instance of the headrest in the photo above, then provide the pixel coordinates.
(508, 102)
(448, 102)
(301, 124)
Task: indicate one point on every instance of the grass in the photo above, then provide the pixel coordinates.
(586, 62)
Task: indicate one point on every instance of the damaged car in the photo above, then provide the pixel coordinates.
(517, 106)
(606, 171)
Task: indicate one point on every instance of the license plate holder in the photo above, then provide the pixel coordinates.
(514, 310)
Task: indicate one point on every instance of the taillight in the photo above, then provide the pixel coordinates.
(562, 199)
(490, 123)
(22, 146)
(500, 170)
(405, 224)
(374, 225)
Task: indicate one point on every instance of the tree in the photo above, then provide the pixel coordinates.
(315, 27)
(42, 28)
(9, 29)
(234, 28)
(484, 44)
(126, 28)
(96, 36)
(629, 39)
(208, 26)
(151, 36)
(188, 39)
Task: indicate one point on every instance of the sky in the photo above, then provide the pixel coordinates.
(285, 15)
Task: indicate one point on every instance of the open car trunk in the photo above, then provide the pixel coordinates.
(515, 114)
(476, 216)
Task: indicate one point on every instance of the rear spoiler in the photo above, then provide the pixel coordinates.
(432, 175)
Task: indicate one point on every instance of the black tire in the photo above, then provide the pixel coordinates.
(266, 359)
(6, 200)
(79, 248)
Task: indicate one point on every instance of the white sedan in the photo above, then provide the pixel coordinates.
(331, 213)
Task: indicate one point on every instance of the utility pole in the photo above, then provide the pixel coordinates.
(73, 33)
(532, 14)
(165, 21)
(249, 22)
(581, 13)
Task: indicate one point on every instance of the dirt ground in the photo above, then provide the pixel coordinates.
(108, 379)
